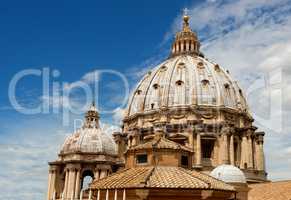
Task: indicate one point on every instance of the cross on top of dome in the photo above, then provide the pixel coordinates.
(185, 11)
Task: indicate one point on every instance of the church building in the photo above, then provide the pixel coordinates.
(187, 134)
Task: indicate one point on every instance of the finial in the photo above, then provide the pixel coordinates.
(186, 19)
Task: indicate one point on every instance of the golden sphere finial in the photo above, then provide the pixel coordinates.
(186, 19)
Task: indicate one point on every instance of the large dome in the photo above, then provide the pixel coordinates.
(90, 138)
(186, 80)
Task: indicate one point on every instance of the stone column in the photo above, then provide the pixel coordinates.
(52, 182)
(244, 152)
(182, 46)
(191, 132)
(77, 184)
(66, 183)
(261, 157)
(225, 151)
(250, 152)
(103, 173)
(49, 195)
(191, 140)
(231, 150)
(198, 150)
(260, 152)
(187, 45)
(96, 174)
(192, 46)
(71, 182)
(225, 131)
(69, 185)
(238, 154)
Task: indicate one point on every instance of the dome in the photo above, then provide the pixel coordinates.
(90, 138)
(186, 80)
(228, 174)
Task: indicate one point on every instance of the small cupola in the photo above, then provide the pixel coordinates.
(92, 117)
(186, 41)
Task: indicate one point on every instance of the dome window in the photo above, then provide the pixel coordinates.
(227, 71)
(163, 68)
(142, 159)
(181, 65)
(156, 86)
(138, 92)
(205, 82)
(200, 65)
(184, 161)
(217, 68)
(240, 92)
(226, 86)
(179, 82)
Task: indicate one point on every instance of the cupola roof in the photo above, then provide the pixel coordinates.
(90, 138)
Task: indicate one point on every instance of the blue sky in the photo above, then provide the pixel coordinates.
(251, 38)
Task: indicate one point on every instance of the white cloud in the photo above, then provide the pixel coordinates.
(118, 115)
(24, 156)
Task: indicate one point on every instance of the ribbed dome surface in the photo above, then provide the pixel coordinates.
(89, 140)
(228, 174)
(186, 80)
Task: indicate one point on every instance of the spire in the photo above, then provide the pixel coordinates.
(92, 117)
(186, 41)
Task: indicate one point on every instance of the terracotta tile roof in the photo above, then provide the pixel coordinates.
(160, 177)
(271, 191)
(161, 143)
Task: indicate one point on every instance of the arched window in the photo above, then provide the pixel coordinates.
(205, 92)
(207, 148)
(87, 178)
(217, 68)
(227, 94)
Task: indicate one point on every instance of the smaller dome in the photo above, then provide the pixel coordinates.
(90, 138)
(228, 174)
